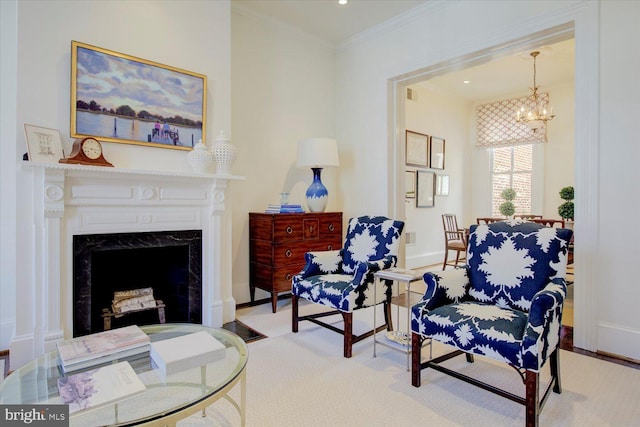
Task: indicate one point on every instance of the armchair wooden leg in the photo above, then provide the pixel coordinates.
(416, 347)
(554, 361)
(294, 313)
(532, 380)
(348, 333)
(469, 357)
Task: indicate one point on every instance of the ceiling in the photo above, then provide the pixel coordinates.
(507, 76)
(510, 75)
(328, 20)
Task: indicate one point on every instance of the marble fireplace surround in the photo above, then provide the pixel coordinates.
(73, 200)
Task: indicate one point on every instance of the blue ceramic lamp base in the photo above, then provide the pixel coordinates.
(317, 194)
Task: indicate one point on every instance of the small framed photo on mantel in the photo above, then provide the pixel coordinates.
(44, 145)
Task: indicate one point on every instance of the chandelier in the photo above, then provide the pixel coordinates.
(535, 114)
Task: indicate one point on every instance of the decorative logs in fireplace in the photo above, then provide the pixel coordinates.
(132, 301)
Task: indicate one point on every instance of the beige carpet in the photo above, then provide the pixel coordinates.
(303, 380)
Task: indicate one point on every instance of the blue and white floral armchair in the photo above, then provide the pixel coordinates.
(506, 304)
(343, 280)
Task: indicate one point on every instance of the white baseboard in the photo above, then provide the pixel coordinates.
(618, 340)
(417, 261)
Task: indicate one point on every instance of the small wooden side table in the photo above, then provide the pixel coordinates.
(398, 340)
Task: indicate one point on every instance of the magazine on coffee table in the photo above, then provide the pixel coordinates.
(99, 387)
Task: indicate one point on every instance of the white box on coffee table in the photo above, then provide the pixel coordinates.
(185, 352)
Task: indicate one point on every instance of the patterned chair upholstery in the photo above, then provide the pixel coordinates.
(506, 304)
(343, 280)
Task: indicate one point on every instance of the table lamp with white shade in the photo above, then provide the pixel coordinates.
(317, 153)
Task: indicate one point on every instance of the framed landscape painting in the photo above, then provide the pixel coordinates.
(121, 98)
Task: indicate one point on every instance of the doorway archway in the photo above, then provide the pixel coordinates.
(582, 27)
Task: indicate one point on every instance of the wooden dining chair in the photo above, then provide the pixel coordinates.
(485, 220)
(549, 222)
(528, 216)
(455, 240)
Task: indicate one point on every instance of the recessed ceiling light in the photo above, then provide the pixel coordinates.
(342, 1)
(466, 82)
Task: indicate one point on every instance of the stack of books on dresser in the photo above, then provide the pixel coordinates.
(102, 347)
(284, 209)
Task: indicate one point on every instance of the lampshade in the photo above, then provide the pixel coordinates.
(317, 153)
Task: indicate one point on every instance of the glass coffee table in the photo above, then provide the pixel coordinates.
(165, 401)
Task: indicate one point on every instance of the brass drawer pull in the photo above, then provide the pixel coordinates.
(288, 276)
(331, 227)
(288, 253)
(329, 247)
(311, 229)
(289, 230)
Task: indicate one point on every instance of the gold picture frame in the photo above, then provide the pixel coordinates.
(121, 98)
(416, 149)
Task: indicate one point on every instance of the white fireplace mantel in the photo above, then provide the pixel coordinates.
(70, 200)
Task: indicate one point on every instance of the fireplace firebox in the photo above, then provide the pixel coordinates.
(170, 262)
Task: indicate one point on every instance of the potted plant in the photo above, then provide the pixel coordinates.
(565, 210)
(507, 208)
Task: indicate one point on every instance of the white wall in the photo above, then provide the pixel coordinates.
(191, 35)
(445, 31)
(8, 197)
(283, 84)
(618, 292)
(559, 151)
(437, 114)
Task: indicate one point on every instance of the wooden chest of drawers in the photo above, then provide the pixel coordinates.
(278, 242)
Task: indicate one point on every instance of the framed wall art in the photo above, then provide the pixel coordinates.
(424, 189)
(436, 150)
(416, 149)
(442, 185)
(410, 184)
(44, 145)
(121, 98)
